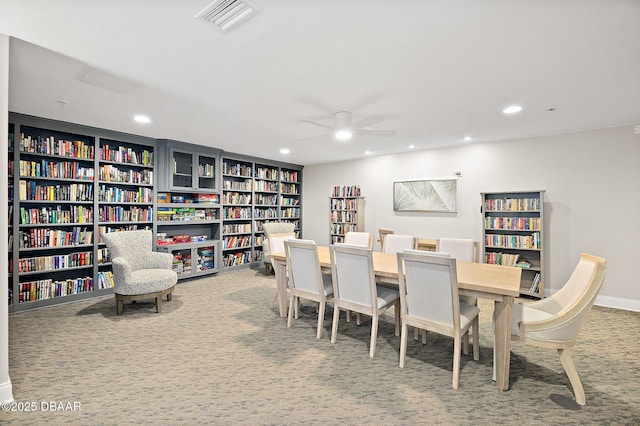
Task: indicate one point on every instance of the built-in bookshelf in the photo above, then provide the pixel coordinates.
(10, 190)
(347, 211)
(513, 235)
(256, 192)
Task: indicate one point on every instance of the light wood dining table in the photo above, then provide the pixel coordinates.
(495, 282)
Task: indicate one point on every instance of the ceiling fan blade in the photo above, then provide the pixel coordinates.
(367, 121)
(312, 137)
(324, 126)
(367, 132)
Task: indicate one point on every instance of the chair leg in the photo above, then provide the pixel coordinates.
(349, 316)
(374, 335)
(320, 319)
(358, 318)
(396, 310)
(334, 325)
(291, 308)
(465, 343)
(424, 337)
(456, 361)
(158, 304)
(416, 333)
(403, 343)
(570, 369)
(476, 339)
(169, 297)
(119, 305)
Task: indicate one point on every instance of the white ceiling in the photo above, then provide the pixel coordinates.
(435, 70)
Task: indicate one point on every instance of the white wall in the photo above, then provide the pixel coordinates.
(592, 203)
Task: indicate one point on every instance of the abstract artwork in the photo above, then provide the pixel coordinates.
(433, 195)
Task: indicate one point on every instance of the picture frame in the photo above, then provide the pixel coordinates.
(426, 195)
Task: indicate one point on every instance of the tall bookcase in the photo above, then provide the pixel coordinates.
(513, 234)
(347, 211)
(188, 218)
(256, 191)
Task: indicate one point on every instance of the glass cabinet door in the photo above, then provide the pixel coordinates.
(206, 172)
(181, 170)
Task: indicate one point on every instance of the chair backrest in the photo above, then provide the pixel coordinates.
(395, 243)
(429, 288)
(276, 241)
(352, 273)
(133, 246)
(364, 239)
(462, 249)
(277, 227)
(571, 304)
(303, 265)
(383, 233)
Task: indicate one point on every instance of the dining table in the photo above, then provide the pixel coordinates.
(498, 283)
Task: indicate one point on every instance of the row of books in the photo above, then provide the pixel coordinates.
(126, 155)
(239, 258)
(236, 198)
(186, 214)
(206, 170)
(289, 176)
(110, 173)
(56, 170)
(342, 228)
(105, 280)
(536, 284)
(266, 200)
(265, 213)
(236, 241)
(258, 226)
(289, 188)
(112, 194)
(513, 223)
(497, 258)
(32, 191)
(31, 291)
(514, 241)
(344, 216)
(286, 201)
(265, 186)
(346, 191)
(237, 169)
(55, 215)
(266, 173)
(235, 185)
(56, 262)
(45, 237)
(121, 214)
(236, 213)
(512, 204)
(52, 146)
(344, 204)
(289, 212)
(238, 228)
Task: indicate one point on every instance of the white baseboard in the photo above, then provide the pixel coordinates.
(618, 303)
(6, 392)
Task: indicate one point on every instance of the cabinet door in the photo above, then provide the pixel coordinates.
(206, 179)
(182, 170)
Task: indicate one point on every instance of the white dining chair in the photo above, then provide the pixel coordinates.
(395, 243)
(429, 300)
(364, 239)
(355, 289)
(306, 279)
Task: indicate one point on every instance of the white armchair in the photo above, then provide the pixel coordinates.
(272, 228)
(555, 322)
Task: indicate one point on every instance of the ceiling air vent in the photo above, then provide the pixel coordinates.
(227, 14)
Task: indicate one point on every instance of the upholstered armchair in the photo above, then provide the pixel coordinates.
(556, 321)
(139, 273)
(272, 228)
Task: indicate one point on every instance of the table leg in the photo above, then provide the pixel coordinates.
(280, 270)
(502, 347)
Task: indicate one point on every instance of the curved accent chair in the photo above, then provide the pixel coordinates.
(554, 322)
(272, 228)
(139, 273)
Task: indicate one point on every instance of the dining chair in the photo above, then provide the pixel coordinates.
(272, 228)
(429, 300)
(364, 239)
(555, 322)
(395, 243)
(355, 289)
(383, 233)
(306, 279)
(276, 245)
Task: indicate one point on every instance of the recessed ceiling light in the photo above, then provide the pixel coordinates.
(512, 109)
(285, 151)
(367, 152)
(142, 119)
(343, 135)
(467, 138)
(411, 146)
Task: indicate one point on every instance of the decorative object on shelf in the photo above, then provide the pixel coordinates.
(431, 195)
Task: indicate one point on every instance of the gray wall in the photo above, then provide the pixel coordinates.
(592, 183)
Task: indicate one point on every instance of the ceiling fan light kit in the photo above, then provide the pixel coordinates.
(343, 129)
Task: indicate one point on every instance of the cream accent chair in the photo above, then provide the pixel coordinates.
(395, 243)
(306, 279)
(556, 321)
(272, 228)
(364, 239)
(139, 273)
(355, 289)
(429, 300)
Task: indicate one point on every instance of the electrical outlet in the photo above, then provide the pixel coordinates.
(636, 129)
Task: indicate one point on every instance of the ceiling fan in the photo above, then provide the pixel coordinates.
(343, 128)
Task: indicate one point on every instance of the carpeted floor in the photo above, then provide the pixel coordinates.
(220, 354)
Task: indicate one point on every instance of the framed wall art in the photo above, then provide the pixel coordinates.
(430, 195)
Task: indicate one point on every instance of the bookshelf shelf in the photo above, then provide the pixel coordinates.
(513, 233)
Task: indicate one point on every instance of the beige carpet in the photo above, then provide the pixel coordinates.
(220, 354)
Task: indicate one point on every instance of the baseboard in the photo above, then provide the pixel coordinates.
(6, 392)
(618, 303)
